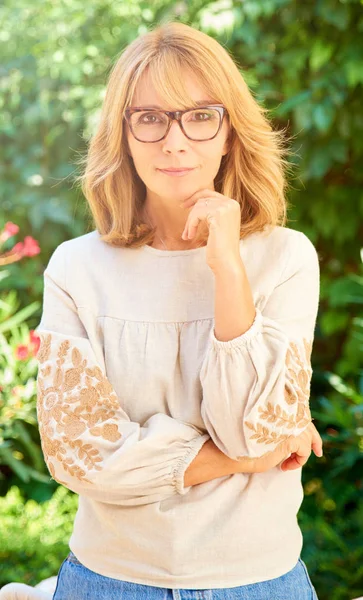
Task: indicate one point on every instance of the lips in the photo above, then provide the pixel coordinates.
(177, 170)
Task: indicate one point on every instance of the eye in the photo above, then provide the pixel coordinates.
(202, 115)
(149, 118)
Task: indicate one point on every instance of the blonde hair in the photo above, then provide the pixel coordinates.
(252, 171)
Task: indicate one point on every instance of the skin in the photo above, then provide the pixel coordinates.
(210, 463)
(176, 206)
(164, 193)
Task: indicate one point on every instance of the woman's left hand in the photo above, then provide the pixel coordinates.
(223, 217)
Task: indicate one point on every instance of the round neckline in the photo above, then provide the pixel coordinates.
(159, 252)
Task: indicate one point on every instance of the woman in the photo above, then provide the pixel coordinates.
(174, 366)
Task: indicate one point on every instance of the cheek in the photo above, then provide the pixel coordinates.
(142, 156)
(214, 157)
(213, 153)
(144, 164)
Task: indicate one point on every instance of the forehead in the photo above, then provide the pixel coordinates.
(184, 93)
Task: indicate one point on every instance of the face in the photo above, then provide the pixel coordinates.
(176, 150)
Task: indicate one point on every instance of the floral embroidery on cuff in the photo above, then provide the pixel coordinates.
(77, 399)
(297, 392)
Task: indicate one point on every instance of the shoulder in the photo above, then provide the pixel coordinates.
(286, 250)
(73, 259)
(296, 250)
(284, 238)
(81, 245)
(73, 252)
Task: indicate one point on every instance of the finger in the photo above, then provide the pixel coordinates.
(316, 441)
(192, 225)
(193, 221)
(288, 463)
(311, 433)
(188, 231)
(281, 452)
(317, 445)
(201, 194)
(295, 461)
(299, 446)
(185, 231)
(298, 458)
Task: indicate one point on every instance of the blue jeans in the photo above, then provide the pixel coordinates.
(76, 582)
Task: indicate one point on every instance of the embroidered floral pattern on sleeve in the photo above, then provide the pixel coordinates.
(72, 398)
(297, 393)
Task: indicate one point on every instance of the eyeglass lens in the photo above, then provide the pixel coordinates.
(199, 124)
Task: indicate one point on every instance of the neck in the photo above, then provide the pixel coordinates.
(169, 218)
(169, 226)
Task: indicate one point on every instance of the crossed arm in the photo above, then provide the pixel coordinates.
(255, 390)
(271, 354)
(210, 463)
(255, 378)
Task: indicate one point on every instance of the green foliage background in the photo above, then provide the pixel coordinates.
(303, 61)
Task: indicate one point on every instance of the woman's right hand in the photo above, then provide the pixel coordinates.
(294, 452)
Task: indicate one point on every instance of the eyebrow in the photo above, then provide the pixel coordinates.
(197, 102)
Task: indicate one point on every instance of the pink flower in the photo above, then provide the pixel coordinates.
(9, 230)
(25, 351)
(29, 247)
(34, 342)
(21, 352)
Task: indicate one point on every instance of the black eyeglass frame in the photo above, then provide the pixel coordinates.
(177, 116)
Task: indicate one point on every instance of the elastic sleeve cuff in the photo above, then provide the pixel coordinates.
(241, 340)
(183, 463)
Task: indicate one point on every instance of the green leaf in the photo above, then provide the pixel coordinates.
(323, 116)
(7, 458)
(321, 53)
(354, 72)
(292, 102)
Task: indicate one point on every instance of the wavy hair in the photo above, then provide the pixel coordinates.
(252, 172)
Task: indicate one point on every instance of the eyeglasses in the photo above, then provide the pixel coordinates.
(197, 124)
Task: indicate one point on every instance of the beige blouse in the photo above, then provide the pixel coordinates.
(132, 382)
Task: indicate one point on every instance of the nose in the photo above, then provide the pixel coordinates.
(175, 139)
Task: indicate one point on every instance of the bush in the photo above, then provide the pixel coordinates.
(34, 537)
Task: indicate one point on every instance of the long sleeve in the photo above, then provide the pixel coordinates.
(89, 443)
(256, 387)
